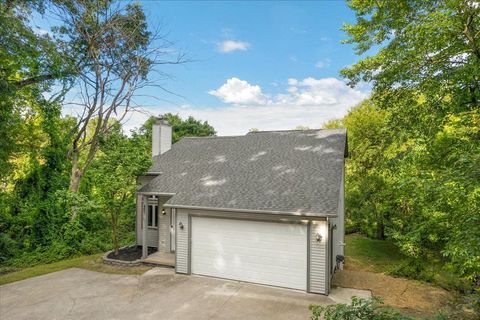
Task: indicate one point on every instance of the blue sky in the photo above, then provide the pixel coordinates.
(266, 65)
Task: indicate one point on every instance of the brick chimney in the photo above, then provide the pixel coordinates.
(161, 137)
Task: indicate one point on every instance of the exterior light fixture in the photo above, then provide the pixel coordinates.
(180, 224)
(319, 237)
(163, 211)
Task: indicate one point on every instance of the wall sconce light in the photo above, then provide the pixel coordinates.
(180, 224)
(319, 237)
(163, 211)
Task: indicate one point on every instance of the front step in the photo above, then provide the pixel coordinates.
(160, 259)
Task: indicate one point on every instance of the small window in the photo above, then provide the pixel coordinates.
(153, 215)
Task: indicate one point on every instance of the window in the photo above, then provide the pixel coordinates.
(153, 215)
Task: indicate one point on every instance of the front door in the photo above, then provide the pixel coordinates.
(172, 230)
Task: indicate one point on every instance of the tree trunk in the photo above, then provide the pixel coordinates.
(76, 175)
(380, 234)
(75, 178)
(115, 238)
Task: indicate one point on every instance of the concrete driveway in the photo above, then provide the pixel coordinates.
(157, 294)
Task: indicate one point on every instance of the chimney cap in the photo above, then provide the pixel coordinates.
(161, 120)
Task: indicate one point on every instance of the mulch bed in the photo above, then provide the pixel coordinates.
(129, 253)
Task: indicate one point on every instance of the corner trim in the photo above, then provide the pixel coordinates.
(327, 253)
(309, 233)
(189, 266)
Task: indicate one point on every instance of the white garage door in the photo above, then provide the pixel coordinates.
(260, 252)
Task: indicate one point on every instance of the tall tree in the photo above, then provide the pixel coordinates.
(116, 54)
(30, 62)
(113, 174)
(425, 75)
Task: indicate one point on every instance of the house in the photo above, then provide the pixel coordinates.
(266, 207)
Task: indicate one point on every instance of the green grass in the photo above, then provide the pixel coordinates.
(92, 262)
(365, 254)
(371, 255)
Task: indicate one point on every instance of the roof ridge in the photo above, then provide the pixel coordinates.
(295, 130)
(212, 137)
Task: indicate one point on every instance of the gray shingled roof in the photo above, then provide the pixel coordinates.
(295, 172)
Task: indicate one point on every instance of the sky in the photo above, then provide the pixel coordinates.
(265, 65)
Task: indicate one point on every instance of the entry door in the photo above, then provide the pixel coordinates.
(269, 253)
(172, 229)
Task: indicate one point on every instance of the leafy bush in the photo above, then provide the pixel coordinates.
(359, 309)
(413, 269)
(8, 247)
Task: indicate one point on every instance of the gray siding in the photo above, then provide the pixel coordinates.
(152, 237)
(182, 253)
(156, 237)
(163, 225)
(318, 280)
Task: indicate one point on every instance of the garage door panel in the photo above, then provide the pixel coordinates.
(261, 252)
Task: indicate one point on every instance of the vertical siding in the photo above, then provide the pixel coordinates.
(163, 230)
(152, 237)
(163, 226)
(157, 238)
(318, 282)
(182, 253)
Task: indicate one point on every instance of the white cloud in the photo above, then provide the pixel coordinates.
(306, 102)
(228, 46)
(318, 92)
(322, 64)
(240, 92)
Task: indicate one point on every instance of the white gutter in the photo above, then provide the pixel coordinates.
(286, 213)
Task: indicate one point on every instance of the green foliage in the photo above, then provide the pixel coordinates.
(413, 175)
(189, 127)
(358, 309)
(94, 39)
(29, 63)
(113, 177)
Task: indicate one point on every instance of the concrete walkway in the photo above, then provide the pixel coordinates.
(157, 294)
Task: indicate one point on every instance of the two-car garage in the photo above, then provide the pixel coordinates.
(271, 253)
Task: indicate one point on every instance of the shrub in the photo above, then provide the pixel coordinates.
(413, 269)
(359, 309)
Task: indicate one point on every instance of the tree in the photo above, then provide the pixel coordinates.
(189, 127)
(29, 64)
(113, 176)
(429, 48)
(425, 78)
(116, 53)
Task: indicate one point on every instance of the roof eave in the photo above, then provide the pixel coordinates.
(272, 212)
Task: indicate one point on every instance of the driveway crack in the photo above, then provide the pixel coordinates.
(226, 301)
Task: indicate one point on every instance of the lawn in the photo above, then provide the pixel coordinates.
(367, 254)
(92, 262)
(379, 266)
